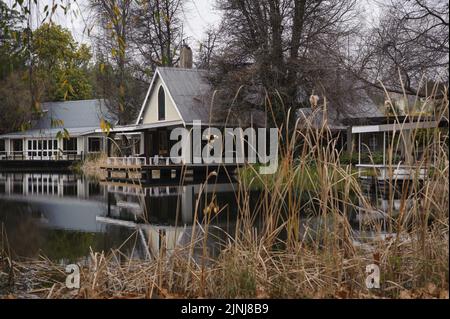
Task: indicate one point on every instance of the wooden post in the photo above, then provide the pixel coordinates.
(384, 149)
(349, 141)
(109, 145)
(359, 148)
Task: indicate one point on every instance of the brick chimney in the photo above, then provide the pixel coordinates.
(186, 57)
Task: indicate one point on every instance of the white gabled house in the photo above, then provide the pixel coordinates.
(177, 97)
(62, 131)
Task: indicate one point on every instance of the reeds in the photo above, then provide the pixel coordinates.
(296, 242)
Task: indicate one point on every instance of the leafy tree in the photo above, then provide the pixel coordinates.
(60, 65)
(15, 100)
(12, 55)
(118, 70)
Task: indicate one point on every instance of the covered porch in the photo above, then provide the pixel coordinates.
(50, 147)
(386, 151)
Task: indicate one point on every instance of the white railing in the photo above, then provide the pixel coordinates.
(126, 161)
(142, 161)
(397, 172)
(160, 161)
(126, 190)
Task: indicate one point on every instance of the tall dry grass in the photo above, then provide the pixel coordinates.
(275, 251)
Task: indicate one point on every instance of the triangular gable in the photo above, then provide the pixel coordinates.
(172, 111)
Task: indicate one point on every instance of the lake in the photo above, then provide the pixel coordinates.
(64, 216)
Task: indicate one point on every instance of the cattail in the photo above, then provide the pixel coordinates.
(314, 100)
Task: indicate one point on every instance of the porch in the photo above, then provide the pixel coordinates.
(386, 151)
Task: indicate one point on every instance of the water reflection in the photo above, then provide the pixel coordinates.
(63, 216)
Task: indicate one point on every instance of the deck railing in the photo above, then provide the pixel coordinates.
(126, 161)
(161, 161)
(119, 162)
(397, 172)
(29, 155)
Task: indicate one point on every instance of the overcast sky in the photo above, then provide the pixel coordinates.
(197, 16)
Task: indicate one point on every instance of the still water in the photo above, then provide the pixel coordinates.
(64, 216)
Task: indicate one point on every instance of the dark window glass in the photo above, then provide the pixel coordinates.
(17, 145)
(70, 145)
(95, 145)
(163, 143)
(161, 104)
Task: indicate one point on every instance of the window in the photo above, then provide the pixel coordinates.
(95, 145)
(161, 104)
(70, 145)
(42, 149)
(17, 145)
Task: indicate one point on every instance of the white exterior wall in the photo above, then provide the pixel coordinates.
(7, 146)
(151, 110)
(81, 142)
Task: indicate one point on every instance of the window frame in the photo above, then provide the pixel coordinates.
(161, 103)
(100, 141)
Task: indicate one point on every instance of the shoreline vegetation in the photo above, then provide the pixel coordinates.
(279, 260)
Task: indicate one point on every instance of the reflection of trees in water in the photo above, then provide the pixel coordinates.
(23, 234)
(72, 245)
(28, 238)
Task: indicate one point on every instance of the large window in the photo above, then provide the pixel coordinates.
(44, 149)
(161, 104)
(95, 144)
(17, 149)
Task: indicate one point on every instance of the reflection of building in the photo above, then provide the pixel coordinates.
(49, 185)
(167, 213)
(64, 201)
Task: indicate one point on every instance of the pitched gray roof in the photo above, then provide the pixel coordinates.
(73, 114)
(193, 96)
(50, 133)
(77, 117)
(363, 107)
(191, 92)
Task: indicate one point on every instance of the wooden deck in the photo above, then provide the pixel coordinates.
(393, 172)
(144, 168)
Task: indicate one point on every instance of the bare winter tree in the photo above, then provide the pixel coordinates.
(157, 32)
(281, 47)
(411, 43)
(208, 47)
